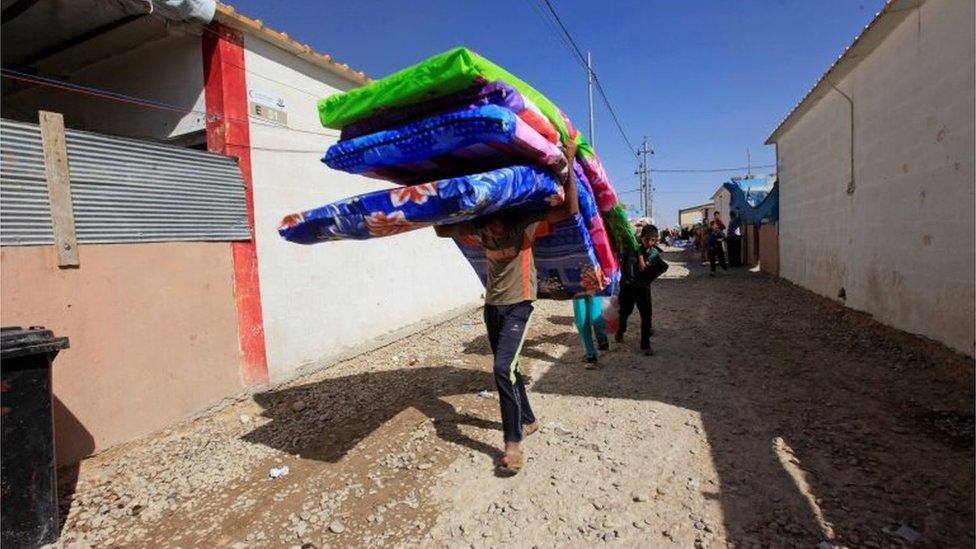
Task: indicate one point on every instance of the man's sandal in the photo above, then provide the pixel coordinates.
(529, 428)
(511, 461)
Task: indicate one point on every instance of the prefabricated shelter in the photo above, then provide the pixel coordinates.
(722, 198)
(748, 191)
(876, 174)
(688, 217)
(755, 200)
(190, 131)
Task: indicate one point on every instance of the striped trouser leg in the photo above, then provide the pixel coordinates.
(507, 327)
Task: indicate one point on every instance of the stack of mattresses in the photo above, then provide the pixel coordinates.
(465, 139)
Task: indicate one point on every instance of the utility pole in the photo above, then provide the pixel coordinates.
(646, 186)
(589, 90)
(748, 164)
(650, 191)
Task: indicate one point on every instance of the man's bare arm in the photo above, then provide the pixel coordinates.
(570, 205)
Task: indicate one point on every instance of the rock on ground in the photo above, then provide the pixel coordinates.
(769, 417)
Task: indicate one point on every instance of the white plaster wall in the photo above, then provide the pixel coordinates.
(322, 301)
(167, 70)
(901, 245)
(722, 199)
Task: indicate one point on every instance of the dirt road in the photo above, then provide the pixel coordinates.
(769, 417)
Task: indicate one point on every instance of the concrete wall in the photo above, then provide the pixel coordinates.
(320, 302)
(168, 69)
(153, 332)
(901, 244)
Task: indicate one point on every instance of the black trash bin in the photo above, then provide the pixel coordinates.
(28, 495)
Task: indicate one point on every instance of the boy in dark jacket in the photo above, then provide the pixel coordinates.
(638, 270)
(715, 239)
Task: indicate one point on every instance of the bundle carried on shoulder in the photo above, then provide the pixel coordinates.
(468, 139)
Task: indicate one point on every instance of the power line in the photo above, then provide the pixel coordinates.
(555, 34)
(141, 101)
(150, 103)
(613, 113)
(259, 75)
(599, 86)
(96, 92)
(713, 170)
(579, 53)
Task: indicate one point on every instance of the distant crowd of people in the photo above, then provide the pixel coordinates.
(716, 243)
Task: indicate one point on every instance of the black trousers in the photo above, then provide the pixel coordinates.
(714, 253)
(641, 297)
(735, 250)
(507, 326)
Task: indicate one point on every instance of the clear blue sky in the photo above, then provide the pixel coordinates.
(704, 80)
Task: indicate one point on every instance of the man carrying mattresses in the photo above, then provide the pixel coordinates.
(509, 293)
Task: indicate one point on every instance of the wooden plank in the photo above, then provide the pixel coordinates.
(59, 188)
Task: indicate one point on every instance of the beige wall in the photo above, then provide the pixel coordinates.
(153, 331)
(900, 245)
(691, 216)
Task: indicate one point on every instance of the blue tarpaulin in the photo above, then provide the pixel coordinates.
(754, 200)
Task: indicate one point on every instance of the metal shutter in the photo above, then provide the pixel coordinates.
(124, 190)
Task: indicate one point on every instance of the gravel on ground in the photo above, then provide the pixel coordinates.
(769, 417)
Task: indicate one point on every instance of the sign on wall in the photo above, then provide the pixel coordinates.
(268, 106)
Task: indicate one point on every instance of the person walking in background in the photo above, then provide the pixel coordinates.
(718, 219)
(713, 242)
(733, 239)
(701, 241)
(588, 314)
(637, 271)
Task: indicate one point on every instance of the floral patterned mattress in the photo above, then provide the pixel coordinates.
(397, 210)
(572, 257)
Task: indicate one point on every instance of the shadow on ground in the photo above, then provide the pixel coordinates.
(339, 412)
(71, 433)
(821, 423)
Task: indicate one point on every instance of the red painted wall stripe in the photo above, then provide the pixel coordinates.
(228, 133)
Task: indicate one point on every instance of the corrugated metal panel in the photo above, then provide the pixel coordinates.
(124, 190)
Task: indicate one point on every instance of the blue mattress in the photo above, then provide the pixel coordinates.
(392, 211)
(445, 145)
